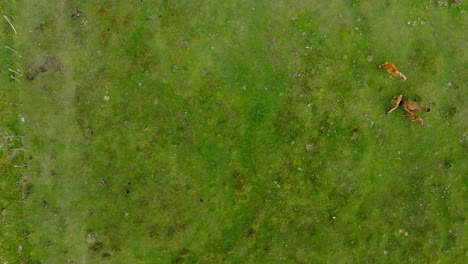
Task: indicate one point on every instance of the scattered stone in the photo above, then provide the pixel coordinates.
(77, 14)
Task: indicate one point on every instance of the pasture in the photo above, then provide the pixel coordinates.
(232, 132)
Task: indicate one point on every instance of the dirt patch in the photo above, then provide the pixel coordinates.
(51, 63)
(96, 248)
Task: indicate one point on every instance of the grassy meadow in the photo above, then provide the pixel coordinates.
(232, 132)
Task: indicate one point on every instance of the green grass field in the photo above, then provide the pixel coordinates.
(232, 132)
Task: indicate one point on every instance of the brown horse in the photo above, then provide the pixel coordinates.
(395, 103)
(414, 117)
(392, 69)
(409, 107)
(412, 105)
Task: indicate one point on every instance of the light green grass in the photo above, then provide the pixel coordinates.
(234, 132)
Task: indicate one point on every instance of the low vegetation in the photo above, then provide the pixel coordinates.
(232, 132)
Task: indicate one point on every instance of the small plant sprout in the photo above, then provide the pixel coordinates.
(9, 22)
(11, 49)
(15, 71)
